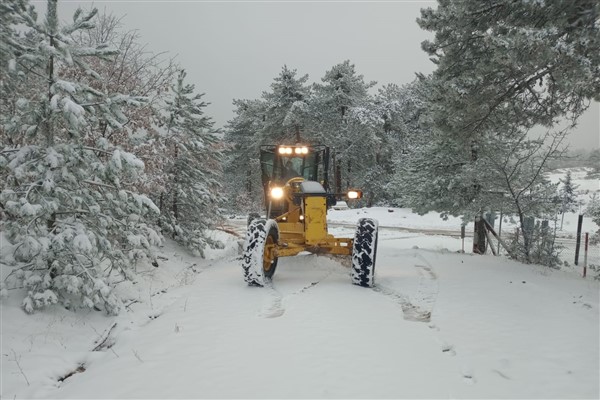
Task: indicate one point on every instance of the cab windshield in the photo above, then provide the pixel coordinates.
(279, 168)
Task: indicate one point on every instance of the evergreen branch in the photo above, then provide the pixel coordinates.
(9, 151)
(556, 142)
(96, 150)
(99, 184)
(22, 267)
(516, 88)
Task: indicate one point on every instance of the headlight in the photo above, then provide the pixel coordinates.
(284, 150)
(354, 194)
(276, 193)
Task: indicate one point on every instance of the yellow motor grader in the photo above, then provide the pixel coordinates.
(297, 196)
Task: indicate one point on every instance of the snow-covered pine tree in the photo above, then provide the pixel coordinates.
(437, 174)
(528, 62)
(337, 112)
(442, 175)
(70, 214)
(139, 72)
(286, 107)
(281, 115)
(371, 153)
(10, 18)
(592, 211)
(568, 197)
(400, 109)
(190, 203)
(242, 168)
(502, 69)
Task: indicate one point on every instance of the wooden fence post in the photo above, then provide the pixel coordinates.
(578, 243)
(585, 254)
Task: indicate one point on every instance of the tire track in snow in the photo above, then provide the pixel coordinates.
(273, 307)
(410, 311)
(428, 292)
(273, 300)
(419, 307)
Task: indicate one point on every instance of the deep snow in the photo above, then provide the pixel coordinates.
(437, 324)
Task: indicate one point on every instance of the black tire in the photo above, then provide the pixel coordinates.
(258, 259)
(364, 251)
(252, 217)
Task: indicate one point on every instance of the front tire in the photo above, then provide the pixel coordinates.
(364, 251)
(259, 259)
(251, 217)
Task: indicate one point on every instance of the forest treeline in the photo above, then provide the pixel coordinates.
(106, 147)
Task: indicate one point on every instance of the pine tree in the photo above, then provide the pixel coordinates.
(507, 174)
(280, 116)
(401, 110)
(71, 214)
(190, 201)
(528, 62)
(568, 197)
(242, 167)
(286, 107)
(592, 211)
(338, 112)
(567, 193)
(503, 68)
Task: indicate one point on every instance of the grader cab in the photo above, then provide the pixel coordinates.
(297, 196)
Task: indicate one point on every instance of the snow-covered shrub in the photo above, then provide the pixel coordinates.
(68, 199)
(593, 211)
(71, 224)
(542, 247)
(190, 198)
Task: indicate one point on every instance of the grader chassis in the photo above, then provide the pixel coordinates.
(297, 197)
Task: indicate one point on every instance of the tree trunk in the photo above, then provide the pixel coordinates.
(526, 235)
(249, 182)
(348, 182)
(52, 23)
(175, 186)
(338, 177)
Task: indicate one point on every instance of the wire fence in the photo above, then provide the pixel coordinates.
(550, 246)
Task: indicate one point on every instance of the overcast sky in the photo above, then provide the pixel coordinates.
(234, 49)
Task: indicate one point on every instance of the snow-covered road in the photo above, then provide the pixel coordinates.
(437, 324)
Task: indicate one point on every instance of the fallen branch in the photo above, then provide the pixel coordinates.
(493, 232)
(16, 360)
(103, 343)
(489, 239)
(79, 369)
(228, 230)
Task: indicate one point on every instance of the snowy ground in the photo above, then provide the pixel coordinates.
(438, 324)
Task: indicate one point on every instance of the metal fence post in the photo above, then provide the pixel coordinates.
(578, 244)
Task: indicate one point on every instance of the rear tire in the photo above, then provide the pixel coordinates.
(259, 261)
(364, 251)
